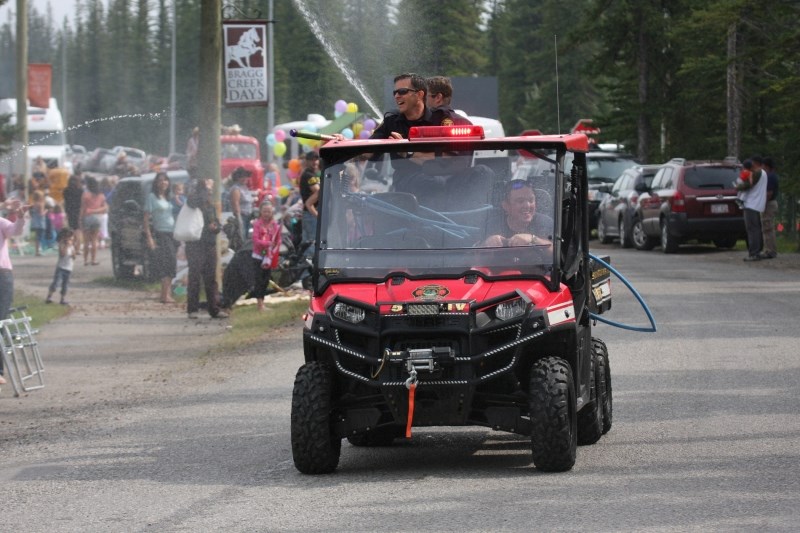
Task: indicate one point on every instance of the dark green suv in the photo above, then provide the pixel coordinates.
(125, 224)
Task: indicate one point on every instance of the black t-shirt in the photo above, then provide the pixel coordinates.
(396, 121)
(307, 180)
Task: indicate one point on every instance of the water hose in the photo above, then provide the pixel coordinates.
(651, 329)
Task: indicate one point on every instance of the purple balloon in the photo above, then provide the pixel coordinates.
(340, 106)
(369, 124)
(363, 135)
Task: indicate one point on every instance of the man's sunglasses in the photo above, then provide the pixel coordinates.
(404, 91)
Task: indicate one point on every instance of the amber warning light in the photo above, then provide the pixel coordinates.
(445, 132)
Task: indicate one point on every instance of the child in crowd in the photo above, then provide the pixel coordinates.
(266, 250)
(66, 261)
(178, 198)
(38, 219)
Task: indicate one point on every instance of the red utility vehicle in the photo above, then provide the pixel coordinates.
(244, 151)
(428, 310)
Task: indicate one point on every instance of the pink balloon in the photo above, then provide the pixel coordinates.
(280, 135)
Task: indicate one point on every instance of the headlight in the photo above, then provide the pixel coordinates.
(348, 312)
(510, 309)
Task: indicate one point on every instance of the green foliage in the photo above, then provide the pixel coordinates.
(651, 73)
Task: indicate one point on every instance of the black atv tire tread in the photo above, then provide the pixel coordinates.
(553, 416)
(590, 418)
(605, 372)
(315, 449)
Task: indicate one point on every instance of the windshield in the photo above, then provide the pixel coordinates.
(425, 213)
(46, 138)
(710, 177)
(238, 151)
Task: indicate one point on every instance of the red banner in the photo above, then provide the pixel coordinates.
(40, 76)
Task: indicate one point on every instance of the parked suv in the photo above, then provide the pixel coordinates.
(689, 200)
(615, 214)
(125, 216)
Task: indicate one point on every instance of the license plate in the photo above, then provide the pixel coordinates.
(719, 208)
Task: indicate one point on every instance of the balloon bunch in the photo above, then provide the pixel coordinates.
(275, 141)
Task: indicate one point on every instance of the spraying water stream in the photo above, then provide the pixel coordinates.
(337, 57)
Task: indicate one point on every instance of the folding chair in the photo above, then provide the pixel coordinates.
(20, 352)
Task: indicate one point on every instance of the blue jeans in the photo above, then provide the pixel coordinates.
(63, 276)
(309, 231)
(6, 297)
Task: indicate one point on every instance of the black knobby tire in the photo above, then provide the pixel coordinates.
(669, 243)
(604, 371)
(553, 415)
(377, 437)
(590, 418)
(641, 240)
(602, 232)
(315, 449)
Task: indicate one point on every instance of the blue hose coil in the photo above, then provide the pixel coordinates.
(651, 329)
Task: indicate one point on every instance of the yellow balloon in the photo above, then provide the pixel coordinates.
(357, 127)
(279, 149)
(283, 191)
(352, 108)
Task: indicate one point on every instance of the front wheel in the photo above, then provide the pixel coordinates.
(604, 373)
(641, 241)
(602, 232)
(625, 239)
(554, 437)
(590, 418)
(315, 449)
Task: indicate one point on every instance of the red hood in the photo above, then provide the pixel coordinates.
(438, 291)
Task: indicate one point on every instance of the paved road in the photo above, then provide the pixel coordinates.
(706, 433)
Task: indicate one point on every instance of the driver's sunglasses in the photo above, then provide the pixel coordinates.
(404, 91)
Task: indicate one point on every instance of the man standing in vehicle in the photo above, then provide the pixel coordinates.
(410, 91)
(440, 93)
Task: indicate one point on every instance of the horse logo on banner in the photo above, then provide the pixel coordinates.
(248, 44)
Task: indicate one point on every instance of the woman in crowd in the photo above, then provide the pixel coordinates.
(93, 205)
(202, 255)
(72, 206)
(241, 200)
(158, 227)
(8, 229)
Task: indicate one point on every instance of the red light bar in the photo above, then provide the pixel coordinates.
(445, 132)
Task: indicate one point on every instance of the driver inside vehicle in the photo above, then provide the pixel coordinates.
(519, 224)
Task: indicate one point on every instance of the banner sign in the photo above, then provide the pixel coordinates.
(40, 76)
(245, 62)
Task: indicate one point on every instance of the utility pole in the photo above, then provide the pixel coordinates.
(172, 78)
(22, 84)
(270, 70)
(208, 156)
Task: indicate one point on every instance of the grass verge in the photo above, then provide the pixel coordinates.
(40, 312)
(248, 326)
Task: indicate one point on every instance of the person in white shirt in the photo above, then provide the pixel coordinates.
(755, 200)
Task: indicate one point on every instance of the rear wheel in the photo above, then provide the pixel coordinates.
(641, 241)
(669, 243)
(315, 449)
(625, 239)
(590, 418)
(604, 372)
(554, 436)
(602, 232)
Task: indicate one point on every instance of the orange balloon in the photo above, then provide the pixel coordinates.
(295, 165)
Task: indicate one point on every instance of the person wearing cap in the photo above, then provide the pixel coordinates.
(241, 199)
(309, 193)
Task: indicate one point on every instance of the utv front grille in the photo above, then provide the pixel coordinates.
(423, 309)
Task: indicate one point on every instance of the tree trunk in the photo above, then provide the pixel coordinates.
(734, 101)
(642, 123)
